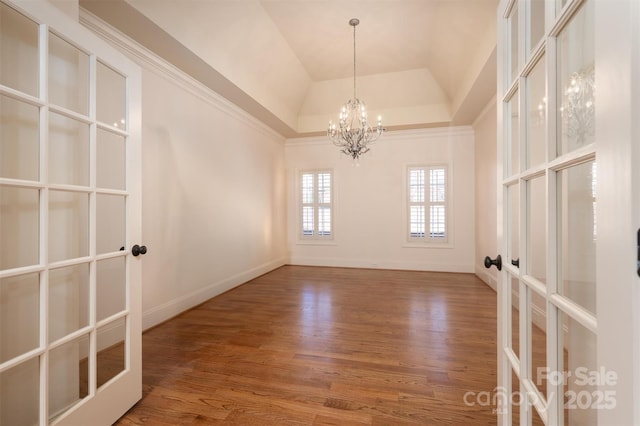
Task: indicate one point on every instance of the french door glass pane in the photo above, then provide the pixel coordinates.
(578, 361)
(19, 223)
(111, 160)
(536, 100)
(577, 234)
(19, 389)
(68, 375)
(515, 399)
(68, 225)
(513, 42)
(515, 316)
(536, 22)
(111, 287)
(68, 75)
(538, 341)
(110, 223)
(19, 135)
(513, 121)
(68, 151)
(110, 97)
(513, 199)
(576, 81)
(68, 300)
(19, 47)
(19, 304)
(111, 351)
(536, 420)
(537, 231)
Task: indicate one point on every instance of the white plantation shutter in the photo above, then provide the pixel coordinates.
(437, 199)
(427, 203)
(316, 204)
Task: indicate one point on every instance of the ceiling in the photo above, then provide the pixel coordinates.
(392, 36)
(420, 63)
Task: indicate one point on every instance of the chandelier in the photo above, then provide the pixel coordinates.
(353, 134)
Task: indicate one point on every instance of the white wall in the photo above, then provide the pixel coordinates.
(213, 197)
(369, 203)
(485, 192)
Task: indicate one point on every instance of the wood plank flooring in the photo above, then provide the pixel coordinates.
(325, 346)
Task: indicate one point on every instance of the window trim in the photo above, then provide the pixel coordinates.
(315, 238)
(427, 240)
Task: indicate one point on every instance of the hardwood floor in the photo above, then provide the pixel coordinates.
(326, 346)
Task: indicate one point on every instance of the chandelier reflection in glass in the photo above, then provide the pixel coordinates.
(353, 134)
(578, 107)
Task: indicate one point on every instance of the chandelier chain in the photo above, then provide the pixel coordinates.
(354, 62)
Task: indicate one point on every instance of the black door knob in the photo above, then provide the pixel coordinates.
(137, 250)
(516, 262)
(497, 261)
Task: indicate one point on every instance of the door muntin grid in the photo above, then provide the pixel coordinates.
(60, 241)
(540, 286)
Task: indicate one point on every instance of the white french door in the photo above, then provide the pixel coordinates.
(70, 308)
(568, 198)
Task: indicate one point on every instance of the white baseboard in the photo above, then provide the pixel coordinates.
(379, 264)
(159, 314)
(489, 278)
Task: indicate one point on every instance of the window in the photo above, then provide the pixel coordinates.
(427, 203)
(316, 210)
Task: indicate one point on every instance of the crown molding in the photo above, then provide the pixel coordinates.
(395, 135)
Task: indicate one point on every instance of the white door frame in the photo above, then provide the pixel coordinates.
(617, 151)
(618, 188)
(102, 406)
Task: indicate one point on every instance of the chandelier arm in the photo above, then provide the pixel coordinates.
(349, 138)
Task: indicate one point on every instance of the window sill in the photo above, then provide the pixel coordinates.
(420, 245)
(311, 242)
